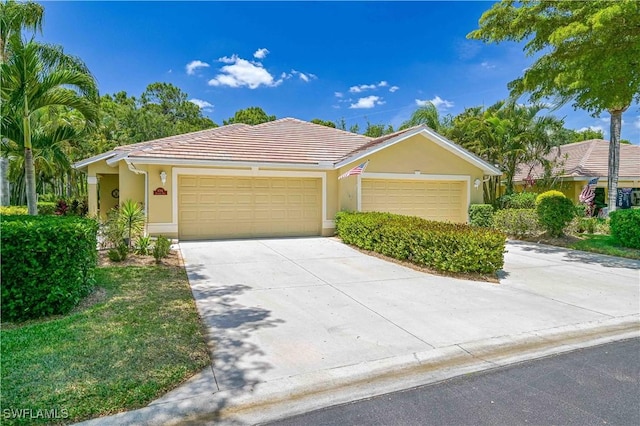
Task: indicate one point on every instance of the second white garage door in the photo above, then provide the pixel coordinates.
(433, 200)
(212, 207)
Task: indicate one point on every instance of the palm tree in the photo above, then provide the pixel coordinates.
(428, 115)
(33, 78)
(14, 17)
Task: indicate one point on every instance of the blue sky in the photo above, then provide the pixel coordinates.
(360, 61)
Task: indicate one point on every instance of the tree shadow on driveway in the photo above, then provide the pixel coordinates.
(570, 255)
(236, 361)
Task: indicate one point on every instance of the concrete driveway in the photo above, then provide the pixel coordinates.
(292, 313)
(281, 307)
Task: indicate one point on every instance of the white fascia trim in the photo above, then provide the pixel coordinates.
(219, 163)
(116, 158)
(242, 172)
(487, 168)
(413, 176)
(84, 163)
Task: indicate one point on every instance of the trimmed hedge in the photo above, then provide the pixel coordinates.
(442, 246)
(47, 265)
(481, 215)
(555, 212)
(517, 222)
(625, 227)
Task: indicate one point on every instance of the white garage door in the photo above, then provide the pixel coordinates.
(212, 207)
(433, 200)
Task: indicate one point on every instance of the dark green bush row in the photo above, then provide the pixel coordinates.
(48, 264)
(441, 246)
(481, 215)
(517, 222)
(625, 227)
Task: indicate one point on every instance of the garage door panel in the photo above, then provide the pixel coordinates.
(239, 207)
(434, 200)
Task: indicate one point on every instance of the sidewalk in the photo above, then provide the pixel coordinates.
(550, 300)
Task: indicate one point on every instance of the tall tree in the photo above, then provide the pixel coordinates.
(33, 78)
(16, 17)
(428, 115)
(251, 115)
(588, 52)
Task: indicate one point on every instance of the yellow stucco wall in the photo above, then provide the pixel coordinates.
(160, 206)
(107, 183)
(131, 184)
(347, 191)
(417, 153)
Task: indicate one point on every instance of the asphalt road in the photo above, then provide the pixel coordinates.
(592, 386)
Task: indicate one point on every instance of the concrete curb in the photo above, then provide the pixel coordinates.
(294, 395)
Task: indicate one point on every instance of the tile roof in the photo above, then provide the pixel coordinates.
(588, 159)
(286, 140)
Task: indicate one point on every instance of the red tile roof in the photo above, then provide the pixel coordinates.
(287, 140)
(588, 159)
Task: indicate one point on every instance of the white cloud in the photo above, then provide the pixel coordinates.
(393, 88)
(194, 65)
(438, 102)
(242, 73)
(339, 94)
(261, 53)
(204, 105)
(304, 77)
(363, 87)
(368, 102)
(593, 128)
(487, 65)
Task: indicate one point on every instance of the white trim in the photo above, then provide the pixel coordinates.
(409, 176)
(328, 224)
(436, 138)
(162, 228)
(84, 163)
(246, 173)
(221, 163)
(92, 180)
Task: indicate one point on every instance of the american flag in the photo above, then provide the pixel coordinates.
(357, 170)
(588, 193)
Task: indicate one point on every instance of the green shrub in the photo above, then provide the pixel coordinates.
(13, 210)
(625, 227)
(442, 246)
(555, 212)
(47, 264)
(589, 225)
(131, 216)
(552, 193)
(481, 215)
(44, 208)
(143, 245)
(517, 222)
(161, 248)
(518, 200)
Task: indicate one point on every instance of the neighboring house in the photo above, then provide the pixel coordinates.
(281, 178)
(578, 162)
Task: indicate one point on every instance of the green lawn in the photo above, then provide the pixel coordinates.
(604, 244)
(142, 340)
